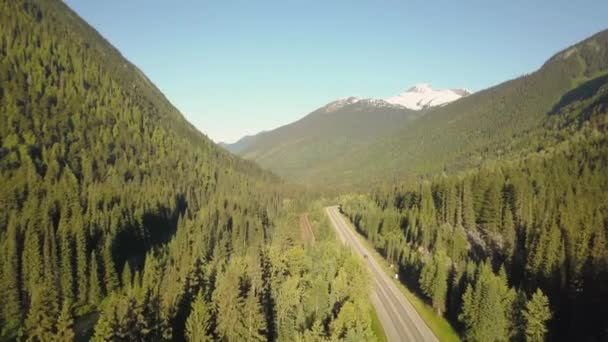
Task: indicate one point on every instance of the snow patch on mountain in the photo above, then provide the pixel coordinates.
(341, 103)
(422, 96)
(333, 106)
(418, 97)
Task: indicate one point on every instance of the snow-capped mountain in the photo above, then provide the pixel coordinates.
(423, 96)
(351, 100)
(418, 97)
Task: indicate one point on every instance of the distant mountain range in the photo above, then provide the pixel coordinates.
(325, 134)
(423, 130)
(338, 128)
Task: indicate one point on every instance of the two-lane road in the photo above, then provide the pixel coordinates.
(400, 320)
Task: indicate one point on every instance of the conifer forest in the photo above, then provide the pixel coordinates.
(121, 221)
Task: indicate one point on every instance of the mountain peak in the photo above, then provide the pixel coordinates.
(422, 96)
(351, 100)
(332, 106)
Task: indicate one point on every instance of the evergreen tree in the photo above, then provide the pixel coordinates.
(486, 308)
(253, 318)
(31, 261)
(67, 277)
(126, 276)
(536, 315)
(491, 205)
(106, 329)
(65, 322)
(508, 232)
(9, 286)
(433, 281)
(468, 208)
(518, 322)
(94, 295)
(110, 276)
(40, 320)
(349, 326)
(81, 261)
(229, 303)
(198, 325)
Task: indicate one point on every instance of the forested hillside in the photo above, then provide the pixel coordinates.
(507, 120)
(505, 248)
(116, 213)
(516, 246)
(297, 150)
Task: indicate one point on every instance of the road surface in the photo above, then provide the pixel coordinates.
(400, 320)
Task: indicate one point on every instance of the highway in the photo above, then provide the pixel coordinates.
(399, 319)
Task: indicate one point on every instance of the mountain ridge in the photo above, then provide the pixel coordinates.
(331, 130)
(507, 118)
(419, 97)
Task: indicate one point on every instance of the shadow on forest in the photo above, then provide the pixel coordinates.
(581, 93)
(132, 244)
(157, 227)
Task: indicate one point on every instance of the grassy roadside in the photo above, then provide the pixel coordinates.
(377, 326)
(439, 325)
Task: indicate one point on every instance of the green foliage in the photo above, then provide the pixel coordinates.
(536, 315)
(486, 307)
(97, 168)
(542, 217)
(434, 281)
(41, 318)
(65, 324)
(126, 276)
(94, 296)
(198, 325)
(110, 276)
(297, 150)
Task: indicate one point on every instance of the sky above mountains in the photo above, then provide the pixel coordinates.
(238, 67)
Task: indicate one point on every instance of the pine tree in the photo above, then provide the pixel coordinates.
(468, 208)
(440, 289)
(81, 260)
(31, 261)
(40, 320)
(67, 275)
(536, 315)
(518, 325)
(106, 329)
(229, 302)
(147, 320)
(111, 278)
(350, 325)
(94, 295)
(126, 276)
(253, 317)
(486, 309)
(433, 281)
(508, 232)
(198, 324)
(49, 256)
(65, 322)
(490, 209)
(9, 286)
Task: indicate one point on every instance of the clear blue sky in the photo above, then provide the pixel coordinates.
(239, 67)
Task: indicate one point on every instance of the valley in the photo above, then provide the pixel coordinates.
(437, 214)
